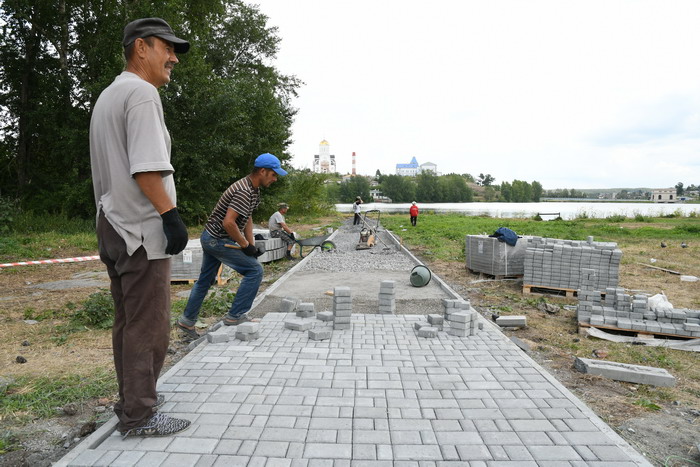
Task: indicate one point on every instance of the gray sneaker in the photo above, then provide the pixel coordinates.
(189, 332)
(158, 424)
(160, 400)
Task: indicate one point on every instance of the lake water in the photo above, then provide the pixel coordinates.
(567, 210)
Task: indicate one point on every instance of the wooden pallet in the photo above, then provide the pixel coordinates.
(220, 279)
(633, 331)
(497, 277)
(529, 289)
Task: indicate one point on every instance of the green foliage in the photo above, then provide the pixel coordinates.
(226, 105)
(399, 189)
(8, 442)
(43, 314)
(647, 404)
(354, 186)
(217, 302)
(428, 189)
(305, 194)
(8, 211)
(638, 217)
(96, 312)
(521, 192)
(39, 397)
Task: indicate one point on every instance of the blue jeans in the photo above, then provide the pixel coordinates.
(215, 253)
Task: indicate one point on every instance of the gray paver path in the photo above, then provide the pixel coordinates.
(374, 395)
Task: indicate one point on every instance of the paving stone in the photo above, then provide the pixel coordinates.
(219, 337)
(320, 334)
(325, 315)
(626, 372)
(298, 325)
(512, 321)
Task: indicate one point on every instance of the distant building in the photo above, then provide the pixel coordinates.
(412, 168)
(428, 167)
(324, 161)
(408, 170)
(663, 195)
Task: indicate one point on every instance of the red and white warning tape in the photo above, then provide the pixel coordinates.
(51, 261)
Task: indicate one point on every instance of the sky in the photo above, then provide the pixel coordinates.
(573, 94)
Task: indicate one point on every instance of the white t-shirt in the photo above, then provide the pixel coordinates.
(128, 136)
(275, 220)
(356, 208)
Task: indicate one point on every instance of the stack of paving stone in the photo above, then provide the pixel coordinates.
(632, 313)
(248, 331)
(387, 297)
(488, 255)
(342, 307)
(452, 306)
(461, 318)
(555, 263)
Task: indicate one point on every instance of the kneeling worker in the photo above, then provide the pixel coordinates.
(279, 229)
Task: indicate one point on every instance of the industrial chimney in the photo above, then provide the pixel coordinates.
(354, 170)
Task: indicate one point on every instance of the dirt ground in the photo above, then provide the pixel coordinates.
(667, 436)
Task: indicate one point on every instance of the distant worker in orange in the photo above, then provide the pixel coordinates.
(413, 211)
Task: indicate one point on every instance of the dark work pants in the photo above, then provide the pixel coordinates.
(357, 219)
(141, 292)
(413, 220)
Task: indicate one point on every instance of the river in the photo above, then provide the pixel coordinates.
(567, 210)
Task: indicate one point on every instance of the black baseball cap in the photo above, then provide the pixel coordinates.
(146, 27)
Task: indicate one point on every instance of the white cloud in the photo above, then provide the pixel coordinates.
(572, 94)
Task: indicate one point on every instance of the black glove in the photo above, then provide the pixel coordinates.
(250, 250)
(293, 236)
(175, 232)
(260, 252)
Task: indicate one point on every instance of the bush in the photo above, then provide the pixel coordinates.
(8, 210)
(97, 311)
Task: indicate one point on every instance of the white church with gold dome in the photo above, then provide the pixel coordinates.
(324, 161)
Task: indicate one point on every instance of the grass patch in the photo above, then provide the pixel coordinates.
(38, 397)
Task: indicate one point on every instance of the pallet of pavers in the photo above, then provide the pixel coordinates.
(488, 255)
(553, 265)
(618, 310)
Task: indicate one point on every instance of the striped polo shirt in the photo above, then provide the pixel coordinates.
(243, 198)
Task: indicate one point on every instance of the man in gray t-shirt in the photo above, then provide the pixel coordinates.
(138, 225)
(279, 228)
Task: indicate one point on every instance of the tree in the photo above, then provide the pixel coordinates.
(536, 191)
(399, 189)
(454, 189)
(353, 187)
(427, 188)
(226, 105)
(679, 189)
(485, 180)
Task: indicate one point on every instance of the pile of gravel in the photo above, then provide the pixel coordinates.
(385, 254)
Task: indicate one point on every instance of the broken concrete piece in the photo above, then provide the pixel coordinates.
(512, 321)
(625, 372)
